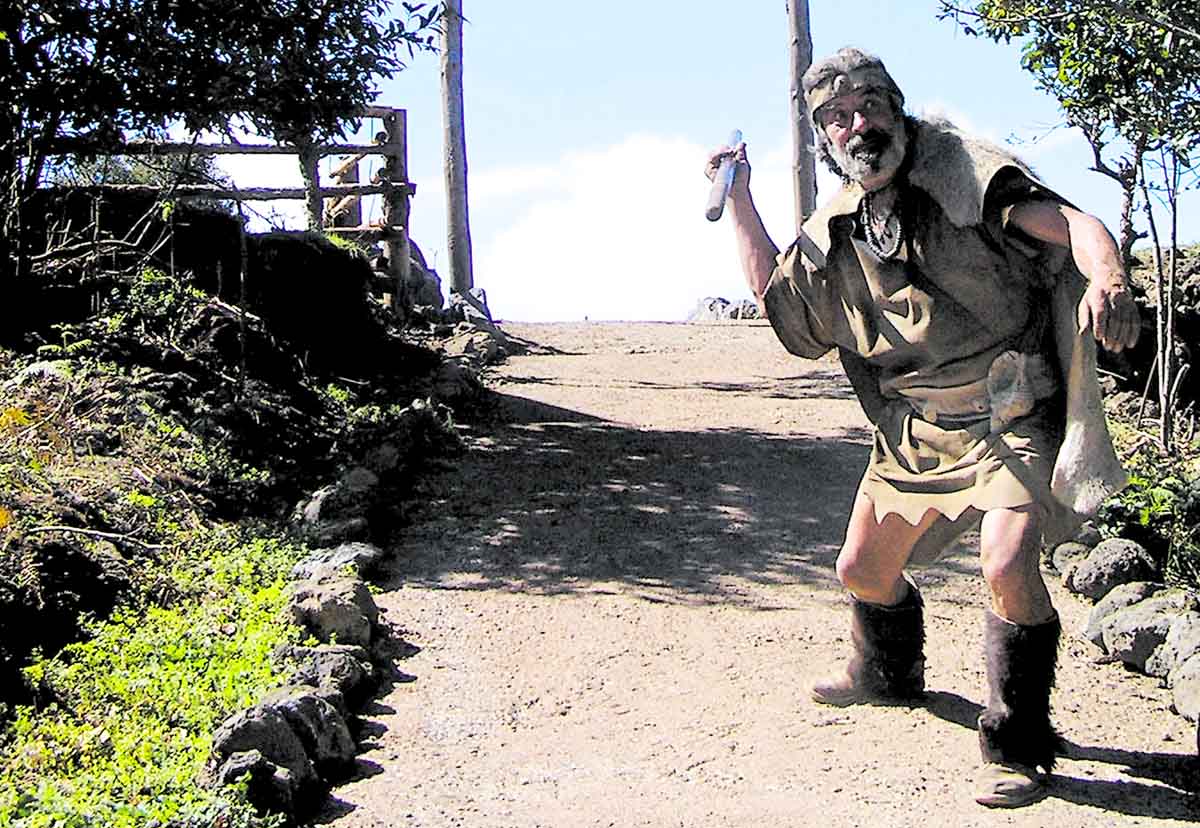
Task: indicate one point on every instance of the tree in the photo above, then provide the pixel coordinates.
(1127, 78)
(294, 70)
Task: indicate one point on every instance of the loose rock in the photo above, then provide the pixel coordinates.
(342, 667)
(359, 558)
(1113, 562)
(340, 610)
(1185, 688)
(1135, 632)
(266, 731)
(321, 728)
(1069, 553)
(1125, 595)
(1183, 641)
(269, 787)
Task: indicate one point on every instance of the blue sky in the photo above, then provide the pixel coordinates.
(588, 126)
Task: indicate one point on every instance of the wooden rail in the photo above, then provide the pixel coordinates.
(391, 182)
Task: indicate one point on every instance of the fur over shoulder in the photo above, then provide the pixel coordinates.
(952, 166)
(956, 168)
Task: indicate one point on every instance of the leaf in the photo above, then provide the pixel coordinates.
(13, 418)
(6, 516)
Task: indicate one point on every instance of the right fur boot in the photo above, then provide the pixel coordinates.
(887, 663)
(1016, 737)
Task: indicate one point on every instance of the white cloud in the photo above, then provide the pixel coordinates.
(616, 232)
(511, 182)
(621, 235)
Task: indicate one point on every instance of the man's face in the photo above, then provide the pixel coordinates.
(866, 136)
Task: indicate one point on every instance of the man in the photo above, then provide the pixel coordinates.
(933, 271)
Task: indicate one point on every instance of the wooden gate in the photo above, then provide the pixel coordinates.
(391, 182)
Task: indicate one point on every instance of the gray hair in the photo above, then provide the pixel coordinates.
(846, 70)
(863, 70)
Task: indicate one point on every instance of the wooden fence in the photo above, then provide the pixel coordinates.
(391, 182)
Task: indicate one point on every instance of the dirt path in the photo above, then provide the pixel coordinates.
(630, 587)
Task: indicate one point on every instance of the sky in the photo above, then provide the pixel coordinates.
(588, 126)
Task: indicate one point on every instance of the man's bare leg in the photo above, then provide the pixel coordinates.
(1022, 630)
(887, 624)
(1010, 549)
(873, 556)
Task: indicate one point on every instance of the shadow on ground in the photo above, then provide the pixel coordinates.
(1174, 797)
(552, 500)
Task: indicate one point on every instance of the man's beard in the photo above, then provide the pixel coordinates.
(870, 153)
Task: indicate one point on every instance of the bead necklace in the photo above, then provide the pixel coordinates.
(892, 226)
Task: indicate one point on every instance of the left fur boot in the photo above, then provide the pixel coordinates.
(1016, 738)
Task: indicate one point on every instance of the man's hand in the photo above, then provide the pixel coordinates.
(755, 248)
(741, 173)
(1108, 308)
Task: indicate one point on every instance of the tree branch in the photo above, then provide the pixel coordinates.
(949, 7)
(96, 533)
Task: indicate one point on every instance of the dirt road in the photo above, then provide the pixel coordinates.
(620, 595)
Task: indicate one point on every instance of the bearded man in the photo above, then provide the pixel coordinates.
(947, 276)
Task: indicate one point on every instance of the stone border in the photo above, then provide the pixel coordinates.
(294, 745)
(1136, 618)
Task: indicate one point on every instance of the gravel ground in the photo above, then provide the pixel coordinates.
(620, 595)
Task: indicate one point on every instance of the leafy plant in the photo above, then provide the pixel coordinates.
(1160, 509)
(1126, 77)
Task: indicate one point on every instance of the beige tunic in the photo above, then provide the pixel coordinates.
(967, 297)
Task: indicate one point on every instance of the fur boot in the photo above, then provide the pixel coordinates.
(1015, 733)
(888, 659)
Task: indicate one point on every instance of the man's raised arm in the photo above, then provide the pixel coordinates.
(755, 248)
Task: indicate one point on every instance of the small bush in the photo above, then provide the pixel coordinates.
(1160, 509)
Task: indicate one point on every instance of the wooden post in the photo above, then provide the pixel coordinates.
(804, 167)
(458, 226)
(395, 207)
(308, 155)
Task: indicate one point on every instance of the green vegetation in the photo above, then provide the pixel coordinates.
(127, 716)
(1126, 79)
(148, 458)
(1160, 509)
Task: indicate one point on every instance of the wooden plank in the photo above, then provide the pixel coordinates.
(367, 229)
(70, 146)
(245, 193)
(395, 210)
(379, 111)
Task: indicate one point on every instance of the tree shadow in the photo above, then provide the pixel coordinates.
(554, 501)
(817, 383)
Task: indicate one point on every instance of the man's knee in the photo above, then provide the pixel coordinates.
(1011, 547)
(1006, 570)
(865, 575)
